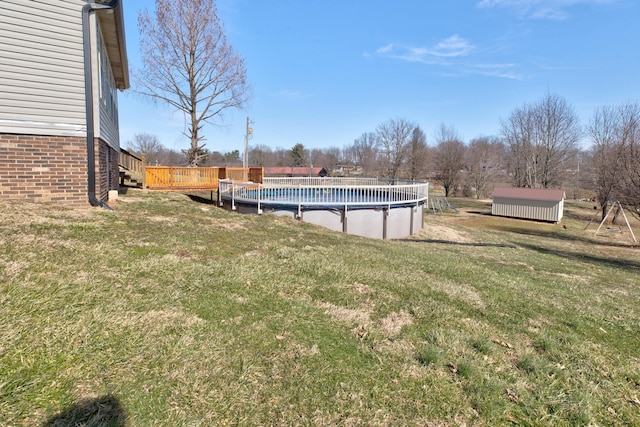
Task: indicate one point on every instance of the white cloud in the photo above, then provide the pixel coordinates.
(539, 9)
(496, 70)
(549, 13)
(385, 49)
(450, 47)
(292, 94)
(452, 56)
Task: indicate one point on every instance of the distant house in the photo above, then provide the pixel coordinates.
(346, 169)
(62, 64)
(295, 171)
(529, 203)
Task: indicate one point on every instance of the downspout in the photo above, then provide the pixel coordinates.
(87, 9)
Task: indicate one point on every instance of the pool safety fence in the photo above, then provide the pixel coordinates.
(319, 192)
(367, 207)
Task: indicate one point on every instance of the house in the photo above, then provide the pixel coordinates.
(295, 172)
(62, 64)
(541, 204)
(347, 169)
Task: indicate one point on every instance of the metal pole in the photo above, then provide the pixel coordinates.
(247, 135)
(246, 145)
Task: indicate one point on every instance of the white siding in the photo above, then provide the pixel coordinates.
(528, 209)
(41, 67)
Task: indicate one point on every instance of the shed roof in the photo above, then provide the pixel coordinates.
(546, 194)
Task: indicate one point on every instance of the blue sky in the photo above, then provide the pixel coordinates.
(326, 71)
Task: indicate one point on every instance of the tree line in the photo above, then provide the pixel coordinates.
(188, 64)
(540, 145)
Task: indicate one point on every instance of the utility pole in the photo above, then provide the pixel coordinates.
(247, 136)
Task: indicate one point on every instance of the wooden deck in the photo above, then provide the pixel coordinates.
(181, 178)
(174, 178)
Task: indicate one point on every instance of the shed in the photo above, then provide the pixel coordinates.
(541, 204)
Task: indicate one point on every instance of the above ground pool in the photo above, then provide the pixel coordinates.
(369, 207)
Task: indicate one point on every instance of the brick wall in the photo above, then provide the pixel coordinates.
(106, 169)
(52, 169)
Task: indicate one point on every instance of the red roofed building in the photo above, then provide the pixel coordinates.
(542, 204)
(295, 171)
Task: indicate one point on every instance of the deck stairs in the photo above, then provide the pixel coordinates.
(131, 169)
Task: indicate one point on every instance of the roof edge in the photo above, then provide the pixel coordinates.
(122, 42)
(524, 193)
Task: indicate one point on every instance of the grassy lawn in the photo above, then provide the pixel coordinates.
(168, 311)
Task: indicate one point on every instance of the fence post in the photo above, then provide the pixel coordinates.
(144, 170)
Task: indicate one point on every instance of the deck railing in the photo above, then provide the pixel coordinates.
(132, 164)
(190, 178)
(336, 192)
(181, 178)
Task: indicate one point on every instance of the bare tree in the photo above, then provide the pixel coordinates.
(393, 144)
(628, 134)
(418, 154)
(282, 156)
(615, 133)
(155, 153)
(483, 164)
(327, 158)
(365, 153)
(262, 155)
(606, 161)
(332, 156)
(147, 144)
(188, 63)
(541, 137)
(518, 132)
(449, 157)
(558, 133)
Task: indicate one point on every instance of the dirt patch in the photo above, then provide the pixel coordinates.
(434, 231)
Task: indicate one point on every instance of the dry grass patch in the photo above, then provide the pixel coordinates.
(433, 230)
(392, 324)
(187, 314)
(346, 315)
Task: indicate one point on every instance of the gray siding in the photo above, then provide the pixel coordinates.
(41, 72)
(107, 128)
(107, 95)
(542, 210)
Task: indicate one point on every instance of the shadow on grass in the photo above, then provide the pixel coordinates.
(559, 235)
(611, 262)
(200, 199)
(124, 189)
(104, 411)
(451, 242)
